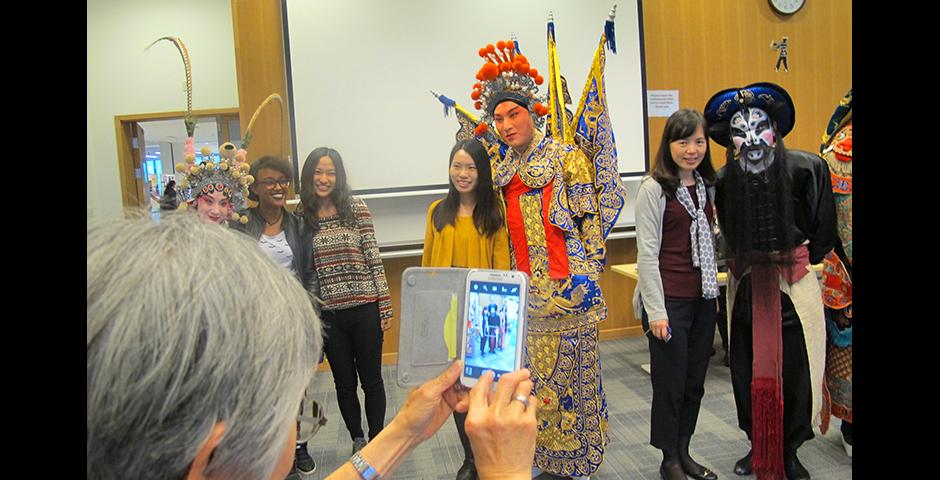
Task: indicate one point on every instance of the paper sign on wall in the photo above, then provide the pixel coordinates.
(662, 103)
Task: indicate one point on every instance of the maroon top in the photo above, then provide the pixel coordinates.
(681, 281)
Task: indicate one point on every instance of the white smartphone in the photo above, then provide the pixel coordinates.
(494, 323)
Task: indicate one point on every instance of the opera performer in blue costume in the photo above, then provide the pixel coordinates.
(562, 193)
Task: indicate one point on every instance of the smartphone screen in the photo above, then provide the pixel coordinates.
(493, 334)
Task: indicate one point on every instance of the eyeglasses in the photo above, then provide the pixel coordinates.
(270, 183)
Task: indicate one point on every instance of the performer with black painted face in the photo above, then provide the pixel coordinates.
(776, 210)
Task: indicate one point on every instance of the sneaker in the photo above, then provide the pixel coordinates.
(303, 462)
(358, 443)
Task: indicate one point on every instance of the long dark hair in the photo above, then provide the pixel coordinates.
(680, 125)
(170, 187)
(341, 194)
(487, 216)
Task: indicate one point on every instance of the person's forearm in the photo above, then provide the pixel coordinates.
(384, 453)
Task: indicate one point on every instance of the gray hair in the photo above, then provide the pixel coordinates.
(190, 324)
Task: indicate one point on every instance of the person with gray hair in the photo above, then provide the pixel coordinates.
(192, 373)
(190, 368)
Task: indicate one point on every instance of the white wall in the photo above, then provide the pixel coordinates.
(124, 79)
(404, 49)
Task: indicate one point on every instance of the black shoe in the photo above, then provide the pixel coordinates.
(744, 466)
(726, 361)
(794, 469)
(468, 471)
(671, 471)
(303, 462)
(694, 470)
(690, 466)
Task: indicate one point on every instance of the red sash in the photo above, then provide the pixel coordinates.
(554, 236)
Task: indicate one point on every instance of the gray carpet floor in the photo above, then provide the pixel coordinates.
(717, 443)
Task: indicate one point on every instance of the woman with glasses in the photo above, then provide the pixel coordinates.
(281, 235)
(284, 238)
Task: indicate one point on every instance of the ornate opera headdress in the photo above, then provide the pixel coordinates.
(229, 176)
(506, 75)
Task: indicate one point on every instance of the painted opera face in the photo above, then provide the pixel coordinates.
(754, 139)
(214, 206)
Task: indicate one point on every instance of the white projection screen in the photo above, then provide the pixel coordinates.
(360, 74)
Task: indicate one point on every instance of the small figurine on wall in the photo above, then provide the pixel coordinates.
(782, 58)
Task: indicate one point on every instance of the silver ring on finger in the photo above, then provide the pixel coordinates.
(522, 398)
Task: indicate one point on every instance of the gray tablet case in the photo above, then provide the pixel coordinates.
(428, 296)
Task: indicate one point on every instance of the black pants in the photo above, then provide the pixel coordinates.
(460, 419)
(722, 318)
(353, 344)
(677, 370)
(797, 395)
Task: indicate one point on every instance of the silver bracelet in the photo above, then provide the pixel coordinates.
(366, 471)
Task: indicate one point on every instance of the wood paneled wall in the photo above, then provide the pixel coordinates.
(702, 46)
(695, 46)
(259, 61)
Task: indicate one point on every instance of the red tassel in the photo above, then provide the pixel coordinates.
(480, 130)
(767, 428)
(826, 408)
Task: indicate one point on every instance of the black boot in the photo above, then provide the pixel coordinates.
(690, 466)
(670, 468)
(792, 466)
(744, 466)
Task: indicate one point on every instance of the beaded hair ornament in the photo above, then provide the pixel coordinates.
(506, 75)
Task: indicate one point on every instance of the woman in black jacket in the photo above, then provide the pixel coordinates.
(285, 238)
(280, 234)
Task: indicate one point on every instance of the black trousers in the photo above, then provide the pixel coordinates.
(460, 419)
(353, 345)
(677, 370)
(797, 395)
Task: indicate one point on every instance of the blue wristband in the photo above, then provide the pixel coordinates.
(366, 471)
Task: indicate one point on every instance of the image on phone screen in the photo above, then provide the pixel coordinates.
(492, 329)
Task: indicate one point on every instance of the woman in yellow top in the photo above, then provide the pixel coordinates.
(466, 229)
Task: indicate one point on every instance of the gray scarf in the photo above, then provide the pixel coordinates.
(703, 244)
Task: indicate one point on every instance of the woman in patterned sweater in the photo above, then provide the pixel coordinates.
(356, 305)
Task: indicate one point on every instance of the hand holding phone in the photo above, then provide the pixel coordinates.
(496, 314)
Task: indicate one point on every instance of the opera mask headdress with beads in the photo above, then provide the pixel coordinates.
(229, 177)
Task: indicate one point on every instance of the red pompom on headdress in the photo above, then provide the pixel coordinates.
(506, 75)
